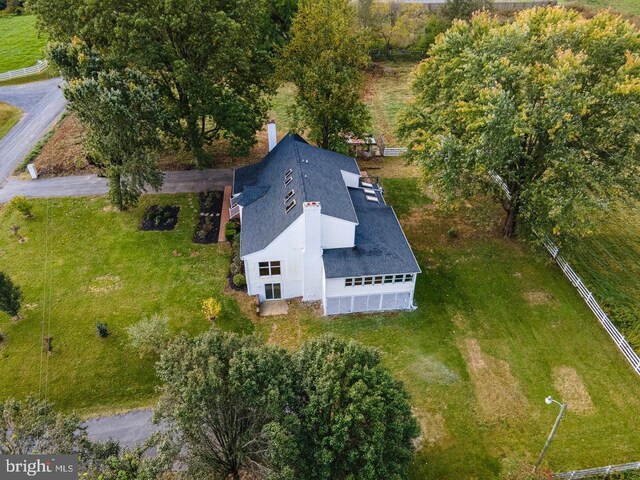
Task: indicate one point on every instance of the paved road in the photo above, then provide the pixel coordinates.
(129, 428)
(76, 186)
(42, 103)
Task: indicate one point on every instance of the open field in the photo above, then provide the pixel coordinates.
(9, 116)
(20, 43)
(84, 263)
(497, 330)
(631, 7)
(609, 263)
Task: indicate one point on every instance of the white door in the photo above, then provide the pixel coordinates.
(272, 291)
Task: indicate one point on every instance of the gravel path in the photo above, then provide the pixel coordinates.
(42, 103)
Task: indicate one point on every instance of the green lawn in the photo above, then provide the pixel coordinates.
(96, 266)
(623, 6)
(9, 116)
(20, 43)
(498, 328)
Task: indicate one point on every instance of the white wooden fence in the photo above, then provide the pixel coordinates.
(611, 329)
(593, 472)
(39, 67)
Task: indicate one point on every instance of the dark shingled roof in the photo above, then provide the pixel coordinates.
(316, 177)
(381, 247)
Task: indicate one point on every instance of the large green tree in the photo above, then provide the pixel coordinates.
(121, 112)
(10, 296)
(324, 60)
(356, 420)
(33, 427)
(464, 9)
(549, 102)
(228, 396)
(210, 60)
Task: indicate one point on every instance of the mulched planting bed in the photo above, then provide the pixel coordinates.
(209, 220)
(160, 218)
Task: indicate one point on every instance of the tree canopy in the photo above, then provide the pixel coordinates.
(121, 112)
(10, 296)
(211, 61)
(549, 102)
(328, 411)
(324, 60)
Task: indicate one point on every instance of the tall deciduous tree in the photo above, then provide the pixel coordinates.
(10, 296)
(122, 115)
(33, 427)
(324, 60)
(550, 102)
(463, 9)
(356, 420)
(210, 60)
(227, 395)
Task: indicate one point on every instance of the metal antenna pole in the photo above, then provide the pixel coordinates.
(553, 432)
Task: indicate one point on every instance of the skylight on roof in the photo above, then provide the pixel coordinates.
(365, 184)
(288, 181)
(289, 195)
(372, 198)
(288, 174)
(369, 191)
(289, 207)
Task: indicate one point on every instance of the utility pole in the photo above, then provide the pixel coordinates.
(563, 407)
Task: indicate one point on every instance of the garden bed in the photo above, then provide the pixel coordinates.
(160, 218)
(209, 218)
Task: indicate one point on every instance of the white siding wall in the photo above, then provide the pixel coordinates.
(312, 256)
(341, 300)
(337, 233)
(288, 249)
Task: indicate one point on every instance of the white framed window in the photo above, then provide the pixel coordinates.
(358, 281)
(377, 280)
(288, 181)
(408, 277)
(368, 280)
(288, 174)
(348, 282)
(269, 269)
(399, 278)
(388, 279)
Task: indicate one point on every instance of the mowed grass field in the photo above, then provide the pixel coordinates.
(9, 116)
(498, 328)
(631, 7)
(20, 43)
(83, 263)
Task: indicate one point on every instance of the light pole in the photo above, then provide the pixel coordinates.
(563, 406)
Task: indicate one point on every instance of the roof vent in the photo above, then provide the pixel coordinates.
(288, 174)
(289, 207)
(288, 181)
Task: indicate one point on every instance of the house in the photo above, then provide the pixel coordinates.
(313, 227)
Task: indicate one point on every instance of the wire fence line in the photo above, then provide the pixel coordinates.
(593, 472)
(587, 295)
(39, 67)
